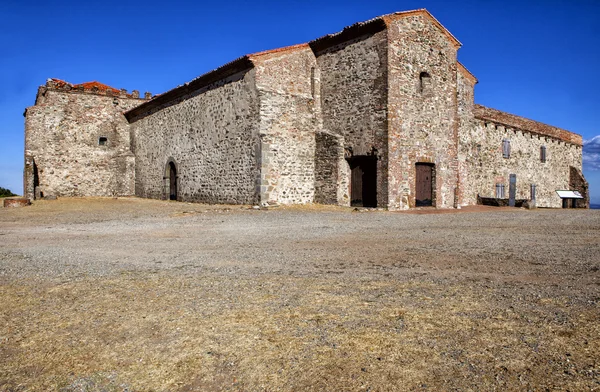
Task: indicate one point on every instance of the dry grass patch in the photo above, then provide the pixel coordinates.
(196, 333)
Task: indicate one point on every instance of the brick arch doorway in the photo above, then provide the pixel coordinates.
(171, 180)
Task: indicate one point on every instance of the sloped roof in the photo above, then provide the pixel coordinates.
(513, 121)
(231, 68)
(467, 74)
(278, 50)
(375, 25)
(100, 86)
(245, 62)
(86, 85)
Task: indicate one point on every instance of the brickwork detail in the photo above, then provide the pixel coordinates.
(422, 118)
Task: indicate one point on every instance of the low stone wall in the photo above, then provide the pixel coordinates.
(15, 202)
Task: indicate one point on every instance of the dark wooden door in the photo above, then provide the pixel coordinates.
(424, 186)
(172, 181)
(363, 181)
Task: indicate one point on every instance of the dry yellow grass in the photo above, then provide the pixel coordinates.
(144, 295)
(184, 333)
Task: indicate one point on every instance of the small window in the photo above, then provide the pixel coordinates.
(506, 148)
(424, 83)
(543, 154)
(312, 81)
(102, 141)
(500, 191)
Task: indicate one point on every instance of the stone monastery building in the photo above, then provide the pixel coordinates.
(380, 114)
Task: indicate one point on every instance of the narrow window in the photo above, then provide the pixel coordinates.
(312, 81)
(499, 191)
(506, 148)
(543, 154)
(424, 83)
(102, 141)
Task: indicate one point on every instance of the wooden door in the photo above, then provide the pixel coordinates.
(363, 181)
(424, 185)
(356, 185)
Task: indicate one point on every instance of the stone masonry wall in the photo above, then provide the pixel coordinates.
(354, 101)
(487, 167)
(287, 81)
(62, 133)
(329, 166)
(422, 119)
(466, 122)
(212, 137)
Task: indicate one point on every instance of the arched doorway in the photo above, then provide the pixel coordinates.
(37, 193)
(170, 180)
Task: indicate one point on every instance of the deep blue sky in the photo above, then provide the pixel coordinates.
(539, 59)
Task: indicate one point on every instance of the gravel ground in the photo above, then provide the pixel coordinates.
(296, 298)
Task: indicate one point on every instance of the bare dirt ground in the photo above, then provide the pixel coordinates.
(142, 295)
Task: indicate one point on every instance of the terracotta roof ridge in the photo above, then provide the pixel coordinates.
(206, 78)
(525, 124)
(278, 50)
(95, 83)
(465, 71)
(455, 41)
(375, 24)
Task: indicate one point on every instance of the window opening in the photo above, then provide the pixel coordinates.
(506, 148)
(500, 191)
(312, 81)
(543, 154)
(424, 83)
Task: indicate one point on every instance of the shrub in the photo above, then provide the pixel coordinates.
(6, 192)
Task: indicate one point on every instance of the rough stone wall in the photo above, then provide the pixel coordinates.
(329, 169)
(422, 119)
(288, 83)
(578, 183)
(487, 166)
(212, 137)
(62, 134)
(354, 101)
(467, 195)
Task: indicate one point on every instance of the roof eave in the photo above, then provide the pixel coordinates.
(238, 65)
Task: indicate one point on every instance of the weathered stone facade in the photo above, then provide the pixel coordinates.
(77, 141)
(487, 165)
(380, 114)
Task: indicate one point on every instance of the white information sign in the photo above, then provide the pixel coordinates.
(569, 195)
